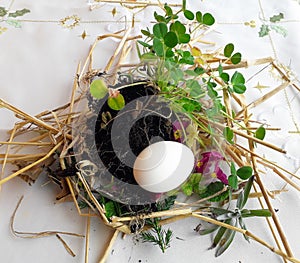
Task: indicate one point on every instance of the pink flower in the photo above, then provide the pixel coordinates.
(209, 165)
(179, 127)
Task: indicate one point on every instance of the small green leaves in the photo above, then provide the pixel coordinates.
(214, 188)
(160, 30)
(228, 134)
(158, 47)
(276, 18)
(189, 14)
(273, 25)
(206, 19)
(233, 179)
(14, 23)
(264, 30)
(116, 103)
(228, 52)
(192, 185)
(244, 172)
(19, 12)
(238, 83)
(171, 39)
(3, 11)
(260, 133)
(98, 89)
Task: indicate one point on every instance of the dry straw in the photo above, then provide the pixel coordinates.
(51, 132)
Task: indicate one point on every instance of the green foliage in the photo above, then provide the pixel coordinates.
(224, 236)
(260, 133)
(206, 19)
(3, 11)
(235, 58)
(19, 12)
(238, 83)
(192, 185)
(266, 27)
(244, 172)
(212, 189)
(98, 89)
(116, 103)
(276, 18)
(157, 235)
(228, 134)
(232, 178)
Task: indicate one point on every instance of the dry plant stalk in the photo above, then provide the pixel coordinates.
(56, 135)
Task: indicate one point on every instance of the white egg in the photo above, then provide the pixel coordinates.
(163, 166)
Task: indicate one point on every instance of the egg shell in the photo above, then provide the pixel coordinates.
(163, 166)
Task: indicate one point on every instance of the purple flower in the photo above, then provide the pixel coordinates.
(209, 166)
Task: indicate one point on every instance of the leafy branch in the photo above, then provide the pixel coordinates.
(157, 235)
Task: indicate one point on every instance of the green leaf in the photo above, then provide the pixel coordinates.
(228, 134)
(244, 172)
(3, 11)
(159, 18)
(225, 77)
(146, 32)
(256, 212)
(184, 38)
(236, 58)
(219, 235)
(144, 44)
(194, 87)
(264, 30)
(14, 23)
(160, 30)
(276, 18)
(171, 39)
(178, 27)
(110, 209)
(238, 82)
(199, 71)
(189, 14)
(246, 192)
(279, 29)
(116, 103)
(98, 89)
(214, 188)
(260, 133)
(228, 50)
(239, 88)
(237, 78)
(169, 10)
(243, 226)
(233, 181)
(192, 185)
(158, 47)
(19, 12)
(199, 16)
(148, 56)
(232, 168)
(225, 243)
(208, 19)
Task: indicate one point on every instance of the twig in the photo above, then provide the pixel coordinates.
(109, 247)
(6, 179)
(66, 246)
